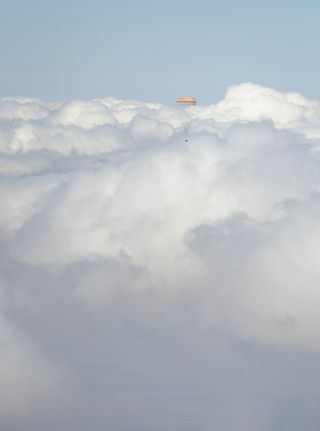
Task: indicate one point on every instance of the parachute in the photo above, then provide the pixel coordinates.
(184, 102)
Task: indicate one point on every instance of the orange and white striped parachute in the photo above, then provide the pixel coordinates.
(184, 102)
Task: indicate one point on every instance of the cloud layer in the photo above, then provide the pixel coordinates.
(148, 283)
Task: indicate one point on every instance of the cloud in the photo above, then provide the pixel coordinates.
(152, 283)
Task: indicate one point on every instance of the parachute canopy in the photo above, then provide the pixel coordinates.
(186, 100)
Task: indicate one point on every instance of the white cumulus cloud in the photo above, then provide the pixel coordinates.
(149, 283)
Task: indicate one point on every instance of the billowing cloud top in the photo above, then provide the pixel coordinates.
(148, 283)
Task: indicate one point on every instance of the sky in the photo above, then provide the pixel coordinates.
(156, 51)
(159, 267)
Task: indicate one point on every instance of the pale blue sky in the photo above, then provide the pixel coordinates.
(157, 50)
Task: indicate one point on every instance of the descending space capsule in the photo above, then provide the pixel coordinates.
(184, 102)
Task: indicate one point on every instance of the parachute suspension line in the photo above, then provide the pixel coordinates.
(186, 133)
